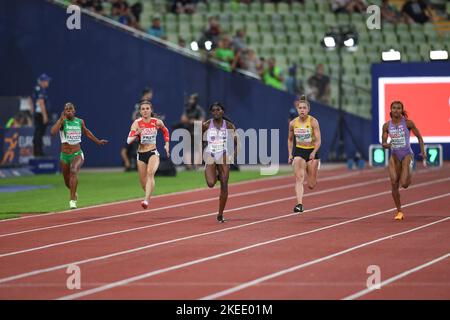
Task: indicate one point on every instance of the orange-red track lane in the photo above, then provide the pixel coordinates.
(334, 278)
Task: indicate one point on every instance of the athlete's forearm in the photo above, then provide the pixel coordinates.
(91, 136)
(290, 145)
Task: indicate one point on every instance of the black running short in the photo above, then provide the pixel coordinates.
(145, 156)
(304, 153)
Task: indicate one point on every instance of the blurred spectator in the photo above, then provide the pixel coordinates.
(225, 54)
(212, 34)
(147, 94)
(249, 61)
(239, 40)
(183, 6)
(128, 154)
(390, 13)
(18, 121)
(293, 113)
(273, 75)
(41, 113)
(136, 10)
(192, 113)
(319, 86)
(181, 42)
(348, 6)
(417, 11)
(156, 29)
(26, 108)
(293, 85)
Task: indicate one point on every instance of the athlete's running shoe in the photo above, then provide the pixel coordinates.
(73, 204)
(144, 204)
(221, 219)
(399, 216)
(298, 208)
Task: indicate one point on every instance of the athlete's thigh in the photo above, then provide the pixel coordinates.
(76, 163)
(299, 166)
(394, 169)
(224, 169)
(65, 169)
(153, 164)
(210, 172)
(142, 169)
(312, 166)
(405, 172)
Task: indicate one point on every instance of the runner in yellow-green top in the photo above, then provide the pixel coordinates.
(70, 130)
(304, 156)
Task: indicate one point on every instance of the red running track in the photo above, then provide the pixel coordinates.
(176, 250)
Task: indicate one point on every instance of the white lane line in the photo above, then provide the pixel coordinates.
(36, 272)
(136, 199)
(191, 218)
(227, 253)
(157, 209)
(397, 277)
(51, 245)
(312, 262)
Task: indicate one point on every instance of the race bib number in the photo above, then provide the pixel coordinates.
(148, 136)
(73, 137)
(303, 134)
(398, 138)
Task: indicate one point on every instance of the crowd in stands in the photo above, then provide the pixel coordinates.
(232, 52)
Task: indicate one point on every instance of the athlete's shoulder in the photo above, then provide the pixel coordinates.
(230, 125)
(313, 119)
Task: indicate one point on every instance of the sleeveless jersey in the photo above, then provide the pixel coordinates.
(71, 131)
(304, 133)
(217, 138)
(399, 135)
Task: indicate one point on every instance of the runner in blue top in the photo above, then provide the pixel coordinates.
(217, 155)
(401, 160)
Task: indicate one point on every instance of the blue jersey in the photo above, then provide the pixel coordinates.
(40, 93)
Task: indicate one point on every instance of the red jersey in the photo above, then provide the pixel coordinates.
(149, 131)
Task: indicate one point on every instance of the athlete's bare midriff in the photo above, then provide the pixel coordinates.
(69, 148)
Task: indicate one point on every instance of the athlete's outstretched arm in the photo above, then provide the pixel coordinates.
(91, 136)
(290, 141)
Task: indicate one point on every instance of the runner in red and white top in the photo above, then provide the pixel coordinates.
(145, 129)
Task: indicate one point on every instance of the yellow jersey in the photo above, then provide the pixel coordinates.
(304, 133)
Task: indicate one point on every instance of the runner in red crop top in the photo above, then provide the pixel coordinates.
(145, 129)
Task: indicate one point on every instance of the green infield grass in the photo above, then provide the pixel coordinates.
(96, 188)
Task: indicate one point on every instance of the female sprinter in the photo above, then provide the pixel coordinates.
(71, 159)
(401, 160)
(217, 156)
(145, 129)
(304, 156)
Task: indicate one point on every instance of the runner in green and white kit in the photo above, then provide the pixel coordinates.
(70, 130)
